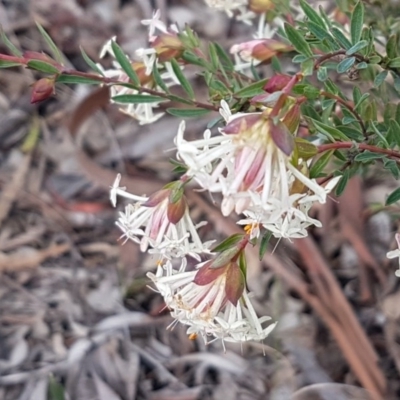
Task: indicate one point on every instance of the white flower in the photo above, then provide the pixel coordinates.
(395, 253)
(285, 218)
(148, 223)
(206, 301)
(243, 160)
(227, 5)
(153, 24)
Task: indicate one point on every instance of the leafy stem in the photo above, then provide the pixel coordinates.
(140, 89)
(351, 109)
(362, 146)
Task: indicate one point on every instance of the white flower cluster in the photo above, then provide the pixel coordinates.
(216, 306)
(145, 61)
(206, 309)
(237, 8)
(255, 177)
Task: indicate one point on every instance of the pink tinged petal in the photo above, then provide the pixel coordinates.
(206, 274)
(157, 197)
(277, 82)
(242, 168)
(234, 283)
(268, 99)
(254, 172)
(240, 124)
(282, 137)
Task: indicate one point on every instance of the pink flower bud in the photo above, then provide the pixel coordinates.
(43, 89)
(259, 49)
(277, 82)
(168, 46)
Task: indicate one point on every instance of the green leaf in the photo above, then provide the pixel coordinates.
(187, 112)
(137, 99)
(356, 94)
(307, 67)
(125, 63)
(357, 22)
(379, 133)
(352, 133)
(252, 90)
(297, 40)
(159, 81)
(322, 74)
(264, 244)
(182, 78)
(299, 58)
(312, 15)
(357, 47)
(228, 243)
(375, 60)
(305, 149)
(330, 132)
(275, 65)
(367, 156)
(341, 38)
(361, 100)
(392, 166)
(320, 164)
(392, 49)
(90, 62)
(10, 46)
(71, 79)
(395, 63)
(8, 64)
(318, 31)
(55, 390)
(43, 66)
(345, 65)
(362, 65)
(325, 17)
(224, 58)
(379, 79)
(179, 99)
(192, 58)
(393, 197)
(53, 47)
(342, 183)
(212, 52)
(393, 134)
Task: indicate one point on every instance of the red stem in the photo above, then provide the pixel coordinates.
(361, 146)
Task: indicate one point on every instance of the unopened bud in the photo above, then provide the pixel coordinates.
(260, 6)
(168, 46)
(43, 89)
(292, 118)
(259, 49)
(277, 82)
(140, 70)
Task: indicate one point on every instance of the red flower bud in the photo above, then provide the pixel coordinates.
(277, 82)
(43, 89)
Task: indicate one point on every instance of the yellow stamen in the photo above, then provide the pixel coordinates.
(193, 336)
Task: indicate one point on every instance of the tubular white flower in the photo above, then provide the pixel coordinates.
(206, 310)
(288, 218)
(150, 227)
(244, 161)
